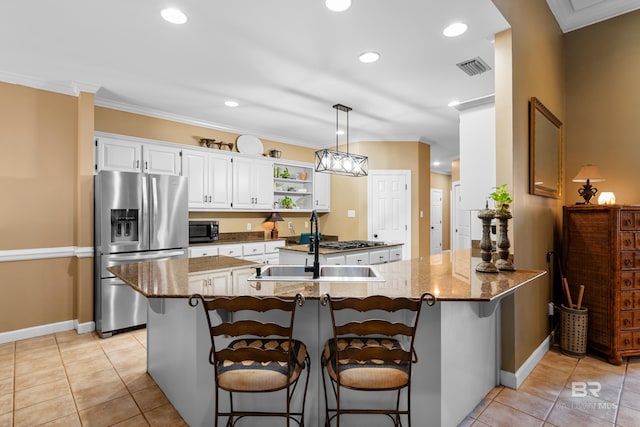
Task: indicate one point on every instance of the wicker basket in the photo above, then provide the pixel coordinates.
(573, 331)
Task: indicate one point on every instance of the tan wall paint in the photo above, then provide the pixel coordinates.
(455, 170)
(83, 283)
(37, 292)
(37, 168)
(38, 137)
(443, 182)
(603, 106)
(348, 193)
(534, 49)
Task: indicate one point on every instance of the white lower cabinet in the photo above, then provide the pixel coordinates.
(215, 282)
(265, 252)
(395, 253)
(200, 251)
(332, 259)
(359, 258)
(234, 250)
(379, 256)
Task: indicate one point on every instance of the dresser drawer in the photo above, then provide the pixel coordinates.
(629, 340)
(626, 340)
(629, 280)
(629, 260)
(629, 300)
(629, 240)
(630, 319)
(629, 220)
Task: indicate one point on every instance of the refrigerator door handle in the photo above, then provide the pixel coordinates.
(146, 257)
(154, 203)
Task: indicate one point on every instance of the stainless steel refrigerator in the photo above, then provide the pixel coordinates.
(138, 217)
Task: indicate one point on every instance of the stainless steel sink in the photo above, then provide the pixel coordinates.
(328, 273)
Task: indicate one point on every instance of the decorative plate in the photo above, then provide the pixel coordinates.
(249, 144)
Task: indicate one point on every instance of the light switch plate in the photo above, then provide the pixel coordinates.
(351, 213)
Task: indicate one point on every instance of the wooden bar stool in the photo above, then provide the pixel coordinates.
(262, 357)
(370, 355)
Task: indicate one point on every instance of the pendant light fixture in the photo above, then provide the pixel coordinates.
(340, 162)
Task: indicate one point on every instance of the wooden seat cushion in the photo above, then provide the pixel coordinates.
(366, 374)
(249, 375)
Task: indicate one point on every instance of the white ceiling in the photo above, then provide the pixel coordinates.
(286, 62)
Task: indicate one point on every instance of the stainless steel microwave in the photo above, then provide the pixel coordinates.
(203, 231)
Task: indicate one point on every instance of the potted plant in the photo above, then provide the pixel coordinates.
(501, 199)
(287, 203)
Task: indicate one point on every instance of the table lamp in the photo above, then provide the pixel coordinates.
(274, 217)
(588, 173)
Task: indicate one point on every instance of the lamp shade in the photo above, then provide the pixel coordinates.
(273, 217)
(588, 172)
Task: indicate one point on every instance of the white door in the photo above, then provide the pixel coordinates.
(390, 207)
(436, 221)
(461, 221)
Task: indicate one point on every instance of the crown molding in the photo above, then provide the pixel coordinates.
(66, 87)
(573, 14)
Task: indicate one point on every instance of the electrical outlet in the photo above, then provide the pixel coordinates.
(290, 224)
(551, 309)
(248, 226)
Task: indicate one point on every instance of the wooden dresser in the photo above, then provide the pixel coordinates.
(601, 250)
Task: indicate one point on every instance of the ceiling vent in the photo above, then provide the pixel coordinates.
(473, 67)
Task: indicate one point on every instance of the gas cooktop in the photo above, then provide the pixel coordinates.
(350, 244)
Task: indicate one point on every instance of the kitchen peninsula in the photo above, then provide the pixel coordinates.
(457, 340)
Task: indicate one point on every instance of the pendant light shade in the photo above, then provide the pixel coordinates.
(340, 162)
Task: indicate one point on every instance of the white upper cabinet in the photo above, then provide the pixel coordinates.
(252, 183)
(160, 159)
(209, 177)
(128, 155)
(118, 155)
(322, 191)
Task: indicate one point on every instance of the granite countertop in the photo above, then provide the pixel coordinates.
(327, 251)
(450, 277)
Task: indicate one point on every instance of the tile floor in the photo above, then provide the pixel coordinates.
(67, 379)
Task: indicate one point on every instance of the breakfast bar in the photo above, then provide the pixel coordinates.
(457, 344)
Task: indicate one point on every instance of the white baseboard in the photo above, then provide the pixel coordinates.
(51, 328)
(515, 380)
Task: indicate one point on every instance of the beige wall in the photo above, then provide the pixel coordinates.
(38, 141)
(349, 193)
(603, 106)
(443, 182)
(529, 62)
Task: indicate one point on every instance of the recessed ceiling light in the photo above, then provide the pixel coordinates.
(231, 103)
(453, 103)
(436, 163)
(174, 16)
(369, 57)
(338, 5)
(455, 29)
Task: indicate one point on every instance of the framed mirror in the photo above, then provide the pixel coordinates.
(545, 151)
